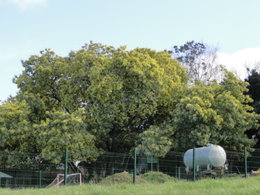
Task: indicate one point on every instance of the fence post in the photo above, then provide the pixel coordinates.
(134, 173)
(176, 171)
(245, 157)
(151, 163)
(65, 166)
(194, 178)
(40, 179)
(231, 167)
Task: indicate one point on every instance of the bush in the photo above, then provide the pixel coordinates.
(123, 177)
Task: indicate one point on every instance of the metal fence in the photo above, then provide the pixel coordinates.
(31, 171)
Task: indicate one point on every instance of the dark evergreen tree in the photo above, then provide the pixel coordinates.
(254, 91)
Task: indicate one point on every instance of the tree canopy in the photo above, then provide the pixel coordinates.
(102, 98)
(215, 113)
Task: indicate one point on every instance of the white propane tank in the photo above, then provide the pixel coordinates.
(210, 155)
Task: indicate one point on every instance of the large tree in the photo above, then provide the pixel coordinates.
(122, 92)
(129, 92)
(103, 98)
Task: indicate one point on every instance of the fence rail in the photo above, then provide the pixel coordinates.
(39, 173)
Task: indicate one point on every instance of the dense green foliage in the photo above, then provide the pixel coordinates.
(102, 98)
(215, 113)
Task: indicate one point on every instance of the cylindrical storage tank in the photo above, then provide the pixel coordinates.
(212, 155)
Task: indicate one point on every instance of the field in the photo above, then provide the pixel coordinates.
(223, 186)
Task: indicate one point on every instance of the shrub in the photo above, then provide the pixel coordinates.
(123, 177)
(156, 177)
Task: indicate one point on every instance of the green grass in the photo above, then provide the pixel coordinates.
(226, 186)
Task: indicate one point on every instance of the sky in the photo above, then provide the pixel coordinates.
(29, 26)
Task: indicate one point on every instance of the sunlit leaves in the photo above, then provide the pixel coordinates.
(61, 130)
(215, 113)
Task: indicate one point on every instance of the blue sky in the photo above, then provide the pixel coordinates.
(28, 26)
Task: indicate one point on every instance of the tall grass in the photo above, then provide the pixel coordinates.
(226, 186)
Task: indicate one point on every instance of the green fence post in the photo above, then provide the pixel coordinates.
(134, 173)
(151, 163)
(194, 178)
(179, 172)
(231, 167)
(65, 166)
(245, 157)
(40, 179)
(176, 171)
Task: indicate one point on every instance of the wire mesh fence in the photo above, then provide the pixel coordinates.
(20, 170)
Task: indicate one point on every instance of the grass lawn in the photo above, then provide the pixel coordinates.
(223, 186)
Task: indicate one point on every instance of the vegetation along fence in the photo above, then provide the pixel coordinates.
(19, 170)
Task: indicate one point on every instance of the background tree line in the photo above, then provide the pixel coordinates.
(101, 98)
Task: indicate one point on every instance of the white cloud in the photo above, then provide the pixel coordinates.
(27, 4)
(238, 61)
